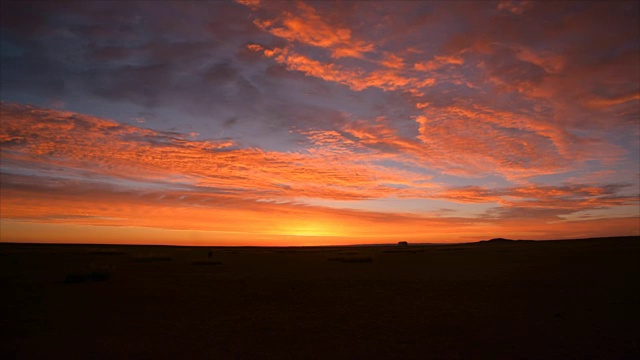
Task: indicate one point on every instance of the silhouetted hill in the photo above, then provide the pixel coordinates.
(583, 240)
(503, 241)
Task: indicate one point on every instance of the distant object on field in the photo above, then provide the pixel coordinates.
(403, 243)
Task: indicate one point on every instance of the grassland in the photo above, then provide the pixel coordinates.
(527, 300)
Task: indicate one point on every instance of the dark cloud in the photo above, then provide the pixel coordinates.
(22, 19)
(119, 49)
(33, 74)
(139, 84)
(512, 73)
(230, 122)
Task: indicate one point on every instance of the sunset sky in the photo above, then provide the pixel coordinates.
(317, 123)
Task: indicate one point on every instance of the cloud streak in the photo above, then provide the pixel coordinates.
(94, 171)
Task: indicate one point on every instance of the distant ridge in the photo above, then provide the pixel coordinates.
(628, 238)
(502, 241)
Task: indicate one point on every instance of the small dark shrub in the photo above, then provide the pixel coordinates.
(349, 253)
(75, 278)
(152, 259)
(206, 263)
(352, 259)
(107, 252)
(402, 251)
(99, 276)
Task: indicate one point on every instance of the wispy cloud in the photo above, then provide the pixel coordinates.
(301, 23)
(34, 135)
(94, 171)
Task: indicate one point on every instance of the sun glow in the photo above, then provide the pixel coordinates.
(312, 228)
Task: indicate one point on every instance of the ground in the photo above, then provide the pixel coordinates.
(508, 300)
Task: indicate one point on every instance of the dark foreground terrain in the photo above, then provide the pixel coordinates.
(494, 300)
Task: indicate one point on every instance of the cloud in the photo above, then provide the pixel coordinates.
(609, 102)
(135, 56)
(276, 102)
(515, 7)
(543, 201)
(46, 200)
(303, 24)
(34, 135)
(465, 127)
(438, 62)
(356, 78)
(76, 158)
(42, 200)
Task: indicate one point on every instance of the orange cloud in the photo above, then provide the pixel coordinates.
(607, 102)
(304, 25)
(572, 198)
(220, 218)
(515, 7)
(551, 63)
(393, 61)
(356, 78)
(547, 146)
(438, 62)
(94, 171)
(310, 67)
(33, 136)
(70, 211)
(512, 144)
(253, 4)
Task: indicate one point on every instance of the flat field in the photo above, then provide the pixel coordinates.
(572, 299)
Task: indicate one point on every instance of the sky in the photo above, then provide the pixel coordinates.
(318, 123)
